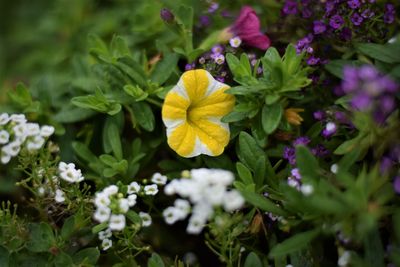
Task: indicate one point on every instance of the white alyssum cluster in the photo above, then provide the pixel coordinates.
(205, 189)
(17, 133)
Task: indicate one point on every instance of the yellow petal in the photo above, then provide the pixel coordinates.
(175, 106)
(196, 83)
(182, 139)
(214, 136)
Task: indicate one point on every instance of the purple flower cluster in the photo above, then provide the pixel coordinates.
(370, 91)
(289, 152)
(332, 120)
(337, 21)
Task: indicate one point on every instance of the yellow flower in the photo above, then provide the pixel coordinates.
(192, 113)
(292, 115)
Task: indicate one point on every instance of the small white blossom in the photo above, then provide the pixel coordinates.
(69, 173)
(19, 118)
(60, 196)
(233, 200)
(220, 59)
(41, 191)
(20, 130)
(46, 130)
(182, 205)
(171, 215)
(146, 219)
(151, 189)
(306, 189)
(102, 214)
(106, 244)
(195, 225)
(4, 137)
(111, 190)
(132, 200)
(102, 200)
(124, 205)
(12, 148)
(4, 119)
(235, 42)
(157, 178)
(117, 222)
(35, 143)
(334, 168)
(105, 234)
(344, 259)
(5, 158)
(133, 188)
(32, 129)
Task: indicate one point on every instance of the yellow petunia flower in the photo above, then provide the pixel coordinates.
(192, 113)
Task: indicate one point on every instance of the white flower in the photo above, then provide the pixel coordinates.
(293, 183)
(20, 130)
(220, 59)
(132, 200)
(146, 219)
(32, 129)
(4, 137)
(106, 244)
(195, 225)
(123, 205)
(334, 168)
(4, 119)
(133, 188)
(306, 189)
(235, 41)
(102, 214)
(151, 189)
(36, 143)
(344, 259)
(117, 222)
(171, 215)
(157, 178)
(69, 173)
(102, 200)
(19, 118)
(41, 191)
(183, 206)
(202, 210)
(233, 200)
(46, 130)
(12, 148)
(215, 194)
(5, 158)
(111, 190)
(60, 196)
(105, 234)
(170, 188)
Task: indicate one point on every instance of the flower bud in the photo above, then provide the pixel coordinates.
(166, 15)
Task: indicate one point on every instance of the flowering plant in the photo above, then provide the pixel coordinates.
(200, 133)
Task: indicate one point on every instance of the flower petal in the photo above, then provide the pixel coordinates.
(196, 83)
(175, 106)
(182, 139)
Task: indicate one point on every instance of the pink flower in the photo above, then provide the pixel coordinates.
(247, 27)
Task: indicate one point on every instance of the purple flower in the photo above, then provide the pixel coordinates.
(329, 130)
(290, 7)
(366, 14)
(390, 14)
(204, 21)
(313, 60)
(213, 7)
(304, 43)
(354, 4)
(361, 101)
(295, 173)
(396, 184)
(302, 140)
(320, 151)
(247, 27)
(220, 79)
(217, 49)
(190, 66)
(336, 22)
(319, 115)
(289, 153)
(386, 165)
(356, 19)
(319, 27)
(368, 72)
(166, 15)
(306, 13)
(350, 79)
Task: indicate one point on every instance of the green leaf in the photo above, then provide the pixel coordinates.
(259, 172)
(347, 146)
(271, 117)
(307, 163)
(262, 202)
(83, 152)
(294, 243)
(97, 102)
(136, 92)
(4, 257)
(234, 116)
(184, 15)
(155, 261)
(99, 227)
(21, 95)
(164, 68)
(119, 47)
(252, 260)
(335, 67)
(63, 260)
(133, 69)
(385, 53)
(133, 217)
(87, 256)
(245, 63)
(41, 237)
(68, 227)
(144, 115)
(249, 150)
(244, 173)
(114, 139)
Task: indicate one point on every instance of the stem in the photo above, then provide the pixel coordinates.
(154, 102)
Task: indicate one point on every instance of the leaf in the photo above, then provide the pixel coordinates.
(83, 152)
(164, 68)
(271, 117)
(294, 243)
(136, 92)
(68, 227)
(133, 69)
(245, 63)
(244, 173)
(234, 116)
(119, 47)
(249, 150)
(144, 115)
(87, 255)
(114, 139)
(99, 227)
(347, 146)
(62, 260)
(335, 67)
(4, 257)
(262, 202)
(21, 95)
(252, 260)
(41, 237)
(307, 163)
(155, 261)
(384, 53)
(184, 15)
